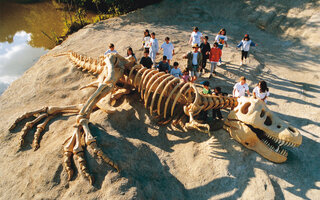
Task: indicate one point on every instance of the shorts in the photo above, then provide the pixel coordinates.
(194, 68)
(244, 54)
(169, 57)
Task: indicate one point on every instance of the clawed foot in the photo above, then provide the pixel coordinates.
(198, 126)
(43, 115)
(74, 147)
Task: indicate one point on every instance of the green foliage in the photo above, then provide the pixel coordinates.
(110, 6)
(76, 16)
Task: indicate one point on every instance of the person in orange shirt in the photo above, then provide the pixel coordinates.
(214, 57)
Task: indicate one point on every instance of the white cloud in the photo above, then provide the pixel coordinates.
(16, 58)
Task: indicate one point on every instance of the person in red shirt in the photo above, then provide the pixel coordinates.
(214, 57)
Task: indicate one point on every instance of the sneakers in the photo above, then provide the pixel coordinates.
(241, 63)
(219, 63)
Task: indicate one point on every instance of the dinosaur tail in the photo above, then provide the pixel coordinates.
(215, 102)
(94, 66)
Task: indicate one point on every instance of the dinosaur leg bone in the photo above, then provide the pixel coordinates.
(193, 124)
(102, 90)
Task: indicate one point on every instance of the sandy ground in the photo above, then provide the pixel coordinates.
(159, 162)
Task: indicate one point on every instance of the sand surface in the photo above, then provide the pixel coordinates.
(159, 162)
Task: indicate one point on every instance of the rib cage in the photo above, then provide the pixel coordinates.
(162, 92)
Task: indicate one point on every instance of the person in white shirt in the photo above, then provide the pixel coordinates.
(261, 91)
(241, 88)
(111, 49)
(154, 48)
(221, 38)
(146, 39)
(196, 37)
(168, 49)
(245, 46)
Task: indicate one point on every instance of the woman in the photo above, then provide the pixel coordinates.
(261, 91)
(196, 37)
(146, 39)
(130, 53)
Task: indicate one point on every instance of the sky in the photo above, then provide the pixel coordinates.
(16, 58)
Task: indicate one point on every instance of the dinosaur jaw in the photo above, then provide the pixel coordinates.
(276, 145)
(268, 146)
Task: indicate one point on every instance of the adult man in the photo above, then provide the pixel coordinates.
(194, 62)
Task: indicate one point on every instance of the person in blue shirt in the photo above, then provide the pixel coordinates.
(111, 49)
(176, 71)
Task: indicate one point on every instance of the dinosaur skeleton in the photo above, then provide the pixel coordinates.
(166, 96)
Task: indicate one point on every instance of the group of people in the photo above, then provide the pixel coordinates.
(261, 91)
(197, 61)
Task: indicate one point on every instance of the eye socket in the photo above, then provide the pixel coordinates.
(291, 129)
(246, 143)
(245, 108)
(278, 126)
(268, 121)
(262, 113)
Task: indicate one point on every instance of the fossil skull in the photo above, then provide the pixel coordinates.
(252, 124)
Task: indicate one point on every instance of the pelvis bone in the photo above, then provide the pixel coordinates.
(252, 124)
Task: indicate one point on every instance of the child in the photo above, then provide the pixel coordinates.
(206, 90)
(168, 49)
(146, 60)
(154, 48)
(146, 39)
(163, 65)
(240, 88)
(205, 50)
(130, 53)
(194, 61)
(214, 57)
(222, 38)
(176, 72)
(186, 77)
(195, 37)
(216, 112)
(261, 91)
(245, 46)
(111, 49)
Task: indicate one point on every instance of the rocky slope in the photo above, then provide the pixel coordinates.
(159, 162)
